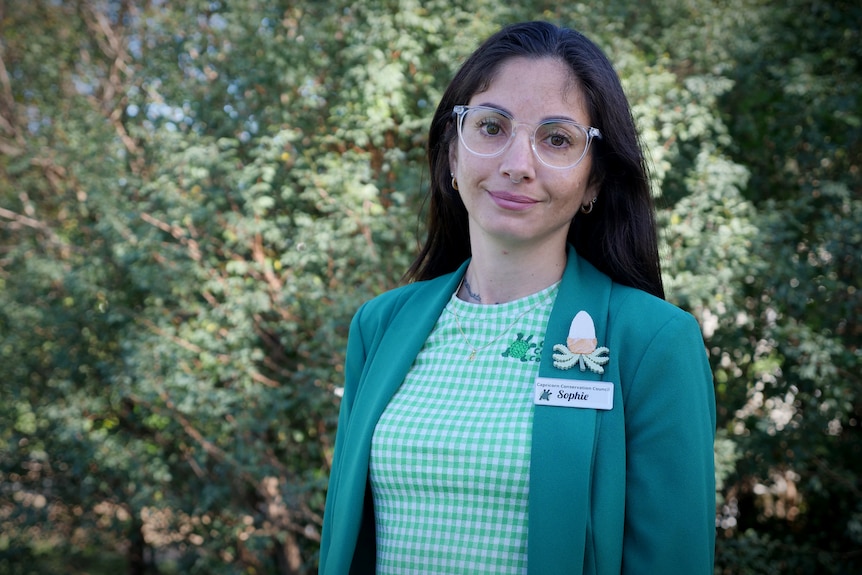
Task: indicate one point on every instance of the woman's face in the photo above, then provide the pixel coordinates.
(513, 200)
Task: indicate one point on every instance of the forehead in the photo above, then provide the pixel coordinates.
(534, 88)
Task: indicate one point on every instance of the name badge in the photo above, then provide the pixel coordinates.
(574, 393)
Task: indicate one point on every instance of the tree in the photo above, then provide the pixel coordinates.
(795, 114)
(195, 197)
(780, 308)
(234, 199)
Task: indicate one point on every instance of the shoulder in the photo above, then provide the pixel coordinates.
(397, 298)
(628, 308)
(639, 316)
(662, 357)
(382, 308)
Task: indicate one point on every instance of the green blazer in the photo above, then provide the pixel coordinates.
(625, 490)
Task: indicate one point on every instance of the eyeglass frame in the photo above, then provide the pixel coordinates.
(460, 112)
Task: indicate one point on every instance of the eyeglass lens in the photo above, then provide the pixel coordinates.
(487, 132)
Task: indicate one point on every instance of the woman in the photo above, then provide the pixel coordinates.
(529, 403)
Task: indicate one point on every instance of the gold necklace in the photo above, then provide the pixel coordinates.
(475, 349)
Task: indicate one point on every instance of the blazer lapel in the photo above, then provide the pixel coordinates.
(411, 324)
(563, 437)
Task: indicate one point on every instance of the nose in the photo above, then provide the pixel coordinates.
(518, 160)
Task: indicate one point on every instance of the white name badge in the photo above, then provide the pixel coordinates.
(574, 393)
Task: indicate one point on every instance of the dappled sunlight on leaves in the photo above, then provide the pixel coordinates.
(196, 197)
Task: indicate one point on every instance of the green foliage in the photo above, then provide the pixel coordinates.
(195, 197)
(781, 308)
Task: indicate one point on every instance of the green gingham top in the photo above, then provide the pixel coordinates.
(450, 456)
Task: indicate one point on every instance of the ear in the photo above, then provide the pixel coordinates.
(591, 193)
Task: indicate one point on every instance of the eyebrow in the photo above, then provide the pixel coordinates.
(545, 119)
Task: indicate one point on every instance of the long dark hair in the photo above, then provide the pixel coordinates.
(619, 235)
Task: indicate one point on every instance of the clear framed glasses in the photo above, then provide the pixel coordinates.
(487, 132)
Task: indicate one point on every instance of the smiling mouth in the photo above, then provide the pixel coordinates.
(516, 198)
(512, 201)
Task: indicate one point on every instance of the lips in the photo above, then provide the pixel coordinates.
(511, 201)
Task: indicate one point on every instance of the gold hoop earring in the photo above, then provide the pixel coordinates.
(455, 183)
(588, 209)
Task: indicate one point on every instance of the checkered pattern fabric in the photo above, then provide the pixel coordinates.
(450, 458)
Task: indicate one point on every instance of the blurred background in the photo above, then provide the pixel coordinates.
(196, 196)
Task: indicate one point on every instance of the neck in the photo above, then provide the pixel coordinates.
(499, 275)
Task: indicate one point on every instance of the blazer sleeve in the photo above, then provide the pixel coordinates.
(670, 469)
(353, 367)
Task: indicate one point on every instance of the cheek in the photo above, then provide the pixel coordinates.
(469, 171)
(572, 192)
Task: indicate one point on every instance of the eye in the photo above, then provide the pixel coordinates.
(557, 138)
(489, 126)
